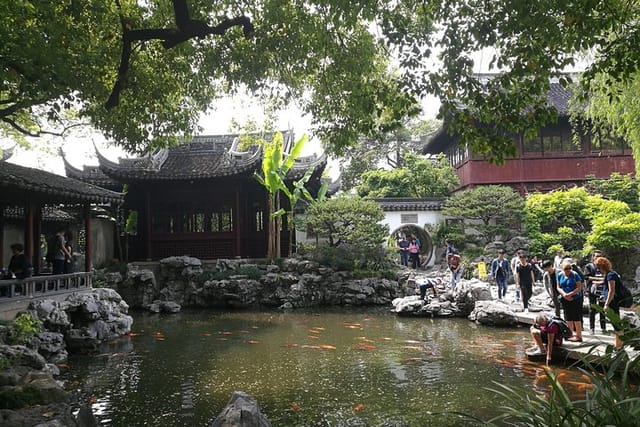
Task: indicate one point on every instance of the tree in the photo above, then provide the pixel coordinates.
(566, 218)
(348, 221)
(386, 151)
(420, 177)
(528, 43)
(143, 72)
(624, 188)
(491, 210)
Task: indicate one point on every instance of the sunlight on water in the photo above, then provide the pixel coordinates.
(305, 369)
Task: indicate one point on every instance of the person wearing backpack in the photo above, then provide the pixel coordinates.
(546, 334)
(594, 284)
(611, 292)
(570, 288)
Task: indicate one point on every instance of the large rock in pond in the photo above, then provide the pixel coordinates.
(493, 313)
(241, 411)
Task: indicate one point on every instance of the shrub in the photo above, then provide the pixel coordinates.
(26, 326)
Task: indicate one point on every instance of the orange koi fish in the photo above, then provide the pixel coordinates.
(252, 342)
(327, 347)
(359, 407)
(295, 407)
(310, 346)
(133, 334)
(361, 346)
(290, 345)
(386, 339)
(226, 333)
(205, 334)
(318, 328)
(313, 337)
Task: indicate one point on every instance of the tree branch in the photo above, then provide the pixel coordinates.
(39, 133)
(187, 29)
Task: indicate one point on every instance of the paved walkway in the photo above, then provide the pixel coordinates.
(591, 348)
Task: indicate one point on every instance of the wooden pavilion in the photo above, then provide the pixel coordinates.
(28, 195)
(550, 161)
(198, 199)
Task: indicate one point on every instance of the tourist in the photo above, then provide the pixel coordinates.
(449, 249)
(612, 282)
(500, 272)
(570, 288)
(545, 332)
(59, 253)
(455, 266)
(19, 265)
(594, 287)
(426, 284)
(414, 252)
(403, 248)
(524, 279)
(69, 264)
(550, 280)
(557, 260)
(538, 272)
(514, 263)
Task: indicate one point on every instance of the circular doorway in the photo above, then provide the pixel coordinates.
(426, 244)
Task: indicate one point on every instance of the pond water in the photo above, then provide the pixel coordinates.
(347, 368)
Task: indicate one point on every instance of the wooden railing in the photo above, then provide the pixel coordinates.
(40, 286)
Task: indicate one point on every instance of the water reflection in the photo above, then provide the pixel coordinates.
(305, 369)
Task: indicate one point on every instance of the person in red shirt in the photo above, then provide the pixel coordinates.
(546, 335)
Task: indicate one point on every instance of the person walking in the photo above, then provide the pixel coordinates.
(500, 272)
(570, 287)
(594, 287)
(524, 279)
(612, 282)
(550, 280)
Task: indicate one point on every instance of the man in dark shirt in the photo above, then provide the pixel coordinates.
(524, 279)
(19, 265)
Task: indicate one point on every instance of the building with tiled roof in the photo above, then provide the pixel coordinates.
(31, 198)
(551, 160)
(199, 198)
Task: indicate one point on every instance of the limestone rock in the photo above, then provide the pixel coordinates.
(494, 313)
(241, 411)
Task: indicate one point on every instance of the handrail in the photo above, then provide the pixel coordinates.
(37, 286)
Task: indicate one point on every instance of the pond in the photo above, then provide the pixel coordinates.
(305, 368)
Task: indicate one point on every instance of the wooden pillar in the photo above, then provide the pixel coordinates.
(147, 224)
(36, 260)
(29, 217)
(237, 222)
(2, 263)
(87, 237)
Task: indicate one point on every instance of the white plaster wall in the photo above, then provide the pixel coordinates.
(102, 241)
(393, 220)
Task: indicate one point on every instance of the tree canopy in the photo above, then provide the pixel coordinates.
(142, 72)
(420, 177)
(491, 210)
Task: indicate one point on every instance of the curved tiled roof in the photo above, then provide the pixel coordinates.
(22, 183)
(7, 153)
(409, 204)
(204, 157)
(90, 174)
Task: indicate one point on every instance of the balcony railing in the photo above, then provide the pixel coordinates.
(40, 286)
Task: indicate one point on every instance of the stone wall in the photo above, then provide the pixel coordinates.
(294, 283)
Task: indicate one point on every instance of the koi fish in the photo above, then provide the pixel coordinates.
(62, 365)
(319, 328)
(254, 327)
(252, 342)
(158, 334)
(226, 333)
(243, 332)
(580, 385)
(310, 346)
(295, 407)
(386, 339)
(412, 347)
(361, 346)
(413, 342)
(205, 334)
(313, 337)
(327, 347)
(290, 345)
(314, 331)
(117, 355)
(159, 338)
(353, 327)
(359, 407)
(92, 399)
(363, 339)
(133, 334)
